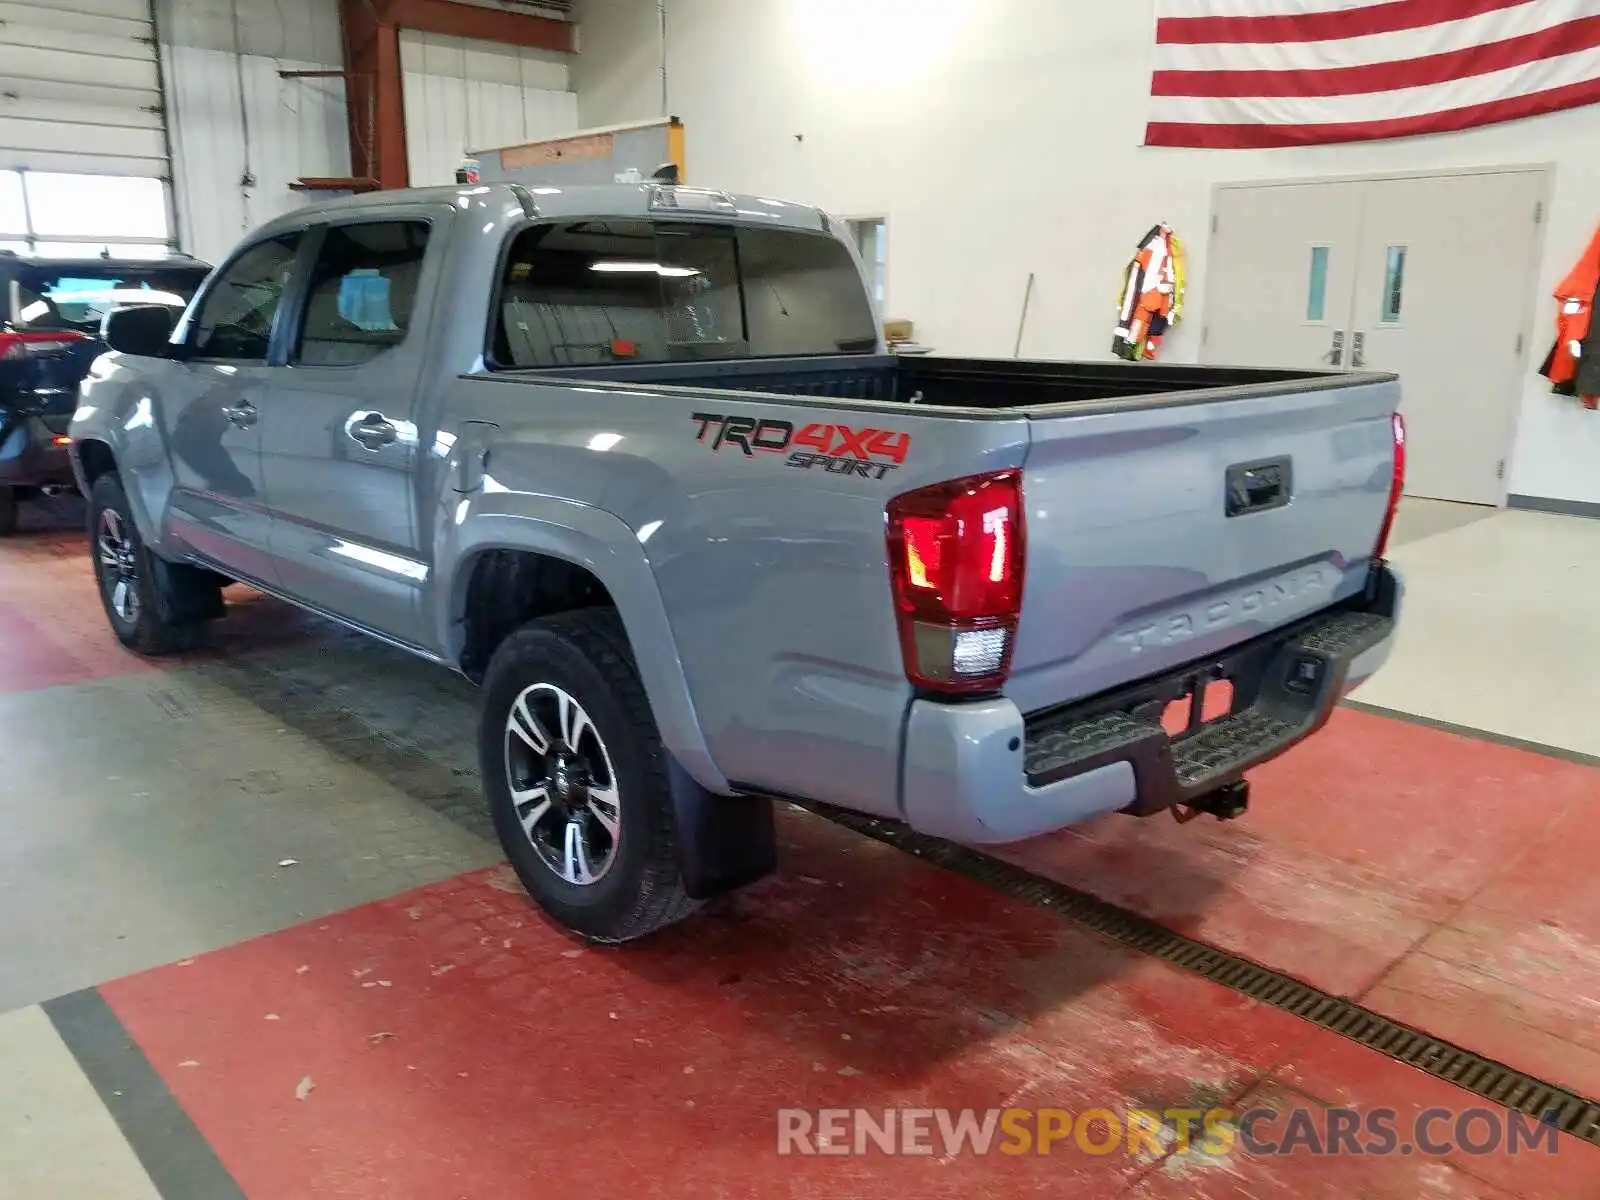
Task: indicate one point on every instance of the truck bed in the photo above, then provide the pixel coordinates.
(1140, 555)
(1012, 386)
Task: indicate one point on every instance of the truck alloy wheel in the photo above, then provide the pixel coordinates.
(118, 560)
(576, 778)
(562, 783)
(153, 606)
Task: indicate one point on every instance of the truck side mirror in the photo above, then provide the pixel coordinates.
(141, 329)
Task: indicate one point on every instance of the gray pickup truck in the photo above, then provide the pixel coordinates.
(633, 458)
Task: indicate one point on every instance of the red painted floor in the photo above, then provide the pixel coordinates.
(1446, 881)
(52, 630)
(456, 1045)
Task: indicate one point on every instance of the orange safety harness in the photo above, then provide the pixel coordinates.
(1152, 295)
(1573, 366)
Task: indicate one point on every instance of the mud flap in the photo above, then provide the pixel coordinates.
(186, 593)
(724, 842)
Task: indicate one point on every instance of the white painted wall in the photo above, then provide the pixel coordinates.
(617, 69)
(463, 95)
(241, 133)
(1004, 137)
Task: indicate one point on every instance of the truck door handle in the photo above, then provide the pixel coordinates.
(1335, 352)
(372, 430)
(1358, 351)
(242, 414)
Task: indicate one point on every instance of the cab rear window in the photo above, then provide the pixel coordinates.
(77, 297)
(609, 291)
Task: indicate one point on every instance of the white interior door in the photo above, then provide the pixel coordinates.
(1428, 277)
(1281, 275)
(1442, 299)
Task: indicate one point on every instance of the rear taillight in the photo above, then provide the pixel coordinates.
(956, 553)
(1397, 483)
(35, 343)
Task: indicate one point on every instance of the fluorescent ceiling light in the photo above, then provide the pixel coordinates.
(620, 267)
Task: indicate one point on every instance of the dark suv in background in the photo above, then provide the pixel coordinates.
(49, 334)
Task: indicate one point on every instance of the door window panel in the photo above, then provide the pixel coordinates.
(362, 293)
(1317, 300)
(235, 320)
(1394, 283)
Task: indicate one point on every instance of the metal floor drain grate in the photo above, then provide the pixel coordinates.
(1565, 1109)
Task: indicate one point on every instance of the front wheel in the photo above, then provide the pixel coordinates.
(140, 616)
(576, 778)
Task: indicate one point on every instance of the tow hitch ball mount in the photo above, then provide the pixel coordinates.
(1226, 803)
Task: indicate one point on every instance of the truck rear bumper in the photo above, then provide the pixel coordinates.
(983, 773)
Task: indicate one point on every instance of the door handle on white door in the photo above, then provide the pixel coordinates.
(1335, 354)
(1358, 351)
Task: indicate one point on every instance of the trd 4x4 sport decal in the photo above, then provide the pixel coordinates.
(836, 449)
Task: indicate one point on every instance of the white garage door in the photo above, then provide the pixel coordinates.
(83, 148)
(82, 88)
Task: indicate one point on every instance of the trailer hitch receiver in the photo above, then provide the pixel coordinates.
(1225, 804)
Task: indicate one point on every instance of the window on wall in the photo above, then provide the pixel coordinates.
(60, 215)
(872, 240)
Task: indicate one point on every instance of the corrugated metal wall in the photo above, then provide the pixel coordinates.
(79, 88)
(241, 133)
(465, 95)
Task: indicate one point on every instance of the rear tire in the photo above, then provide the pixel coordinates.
(576, 778)
(8, 511)
(143, 614)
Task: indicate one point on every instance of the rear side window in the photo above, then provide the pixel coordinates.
(76, 296)
(235, 319)
(362, 292)
(608, 291)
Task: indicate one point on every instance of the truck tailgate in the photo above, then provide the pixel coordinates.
(1160, 535)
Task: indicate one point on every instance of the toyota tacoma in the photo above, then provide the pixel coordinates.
(633, 458)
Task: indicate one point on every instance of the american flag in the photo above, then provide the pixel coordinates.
(1253, 74)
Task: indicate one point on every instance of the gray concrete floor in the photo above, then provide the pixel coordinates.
(146, 815)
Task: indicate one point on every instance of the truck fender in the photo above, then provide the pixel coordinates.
(117, 413)
(607, 548)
